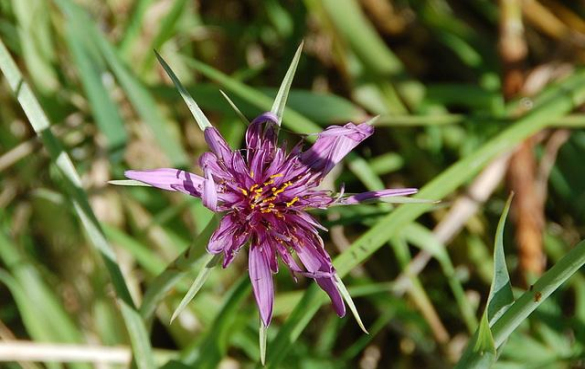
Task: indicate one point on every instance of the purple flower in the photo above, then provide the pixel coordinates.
(265, 195)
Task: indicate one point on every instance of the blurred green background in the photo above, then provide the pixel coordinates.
(458, 86)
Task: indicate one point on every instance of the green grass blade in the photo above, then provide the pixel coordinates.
(40, 124)
(213, 347)
(565, 97)
(210, 261)
(200, 118)
(139, 96)
(540, 291)
(184, 263)
(106, 113)
(282, 95)
(501, 295)
(481, 353)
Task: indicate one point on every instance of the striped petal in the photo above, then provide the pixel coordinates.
(333, 145)
(262, 282)
(169, 179)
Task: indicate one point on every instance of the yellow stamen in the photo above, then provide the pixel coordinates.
(244, 191)
(253, 187)
(276, 175)
(291, 202)
(252, 173)
(268, 182)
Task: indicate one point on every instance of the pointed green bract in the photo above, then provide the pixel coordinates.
(262, 338)
(200, 118)
(347, 297)
(236, 109)
(280, 100)
(128, 182)
(210, 263)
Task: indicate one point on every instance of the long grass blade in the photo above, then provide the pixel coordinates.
(40, 124)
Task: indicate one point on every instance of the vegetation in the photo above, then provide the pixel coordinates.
(476, 100)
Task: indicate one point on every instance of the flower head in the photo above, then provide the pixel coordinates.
(265, 194)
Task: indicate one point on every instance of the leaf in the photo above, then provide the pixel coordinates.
(200, 118)
(282, 95)
(559, 100)
(89, 65)
(210, 262)
(501, 295)
(349, 301)
(40, 123)
(483, 350)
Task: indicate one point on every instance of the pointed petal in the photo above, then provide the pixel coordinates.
(209, 195)
(333, 145)
(261, 136)
(217, 144)
(372, 195)
(169, 179)
(315, 262)
(262, 282)
(223, 235)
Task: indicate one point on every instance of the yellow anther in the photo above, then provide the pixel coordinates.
(259, 190)
(291, 202)
(253, 187)
(276, 175)
(252, 173)
(244, 191)
(268, 182)
(268, 199)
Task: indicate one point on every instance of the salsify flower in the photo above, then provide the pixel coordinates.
(264, 194)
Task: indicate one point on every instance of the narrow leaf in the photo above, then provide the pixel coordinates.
(349, 301)
(280, 100)
(200, 118)
(236, 109)
(210, 263)
(500, 296)
(483, 350)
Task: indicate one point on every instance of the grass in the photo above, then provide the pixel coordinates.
(84, 263)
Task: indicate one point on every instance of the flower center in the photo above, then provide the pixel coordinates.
(266, 197)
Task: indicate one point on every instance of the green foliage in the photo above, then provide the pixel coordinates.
(85, 262)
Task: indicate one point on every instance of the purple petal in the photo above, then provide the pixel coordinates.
(169, 179)
(262, 128)
(261, 281)
(372, 195)
(316, 263)
(209, 195)
(223, 236)
(334, 144)
(217, 144)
